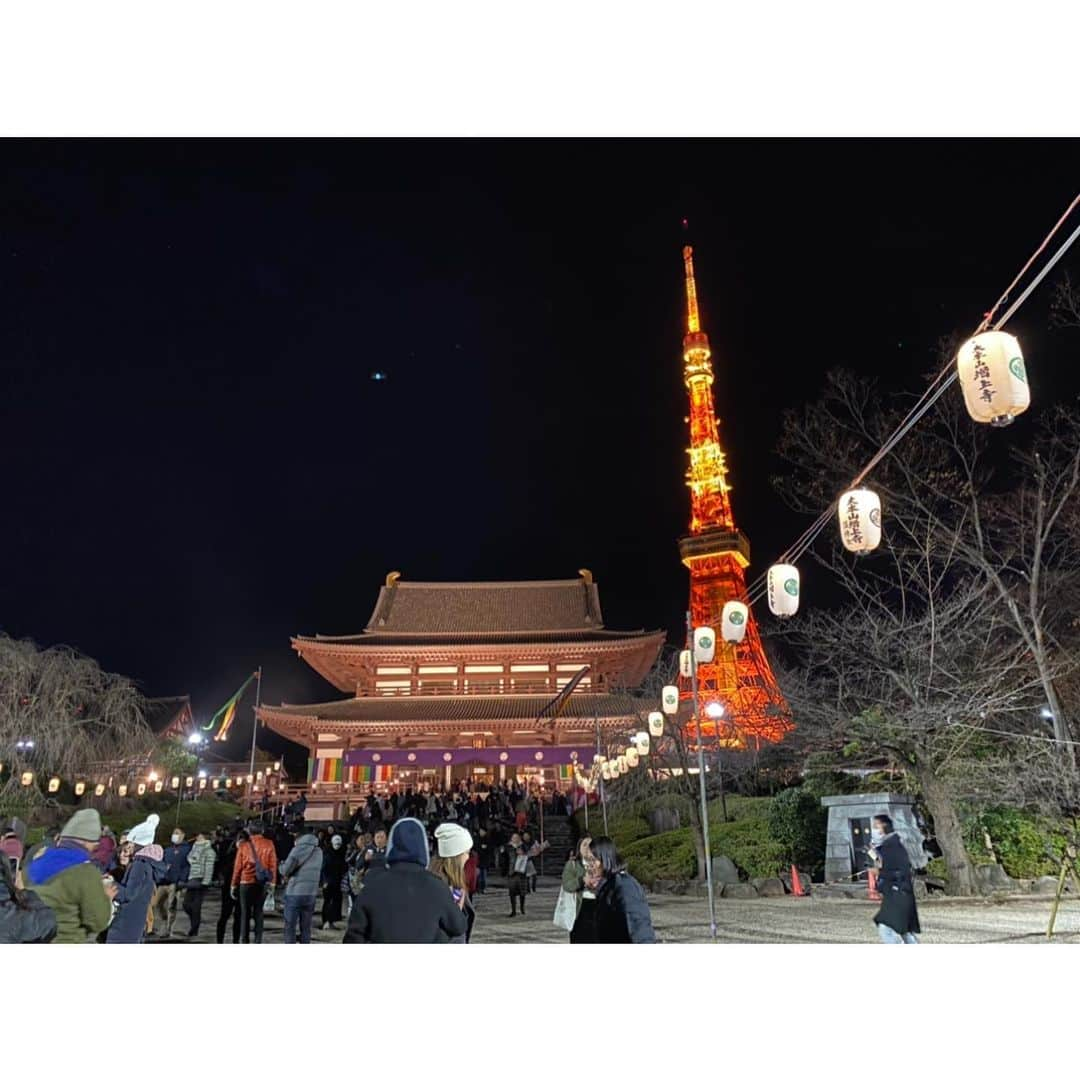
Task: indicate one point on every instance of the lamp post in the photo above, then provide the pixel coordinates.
(701, 776)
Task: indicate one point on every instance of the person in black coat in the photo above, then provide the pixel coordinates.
(24, 918)
(230, 908)
(620, 909)
(898, 918)
(404, 903)
(334, 868)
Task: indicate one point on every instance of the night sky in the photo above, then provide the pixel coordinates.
(198, 463)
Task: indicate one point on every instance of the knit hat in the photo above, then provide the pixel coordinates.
(408, 843)
(152, 851)
(142, 834)
(16, 828)
(11, 848)
(452, 840)
(84, 825)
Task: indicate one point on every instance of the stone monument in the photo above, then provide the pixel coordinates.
(848, 831)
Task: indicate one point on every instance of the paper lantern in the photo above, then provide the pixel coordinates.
(686, 668)
(189, 782)
(239, 781)
(251, 778)
(277, 766)
(228, 782)
(860, 519)
(733, 621)
(783, 585)
(258, 776)
(140, 790)
(99, 790)
(656, 724)
(669, 699)
(122, 790)
(80, 787)
(643, 743)
(704, 644)
(202, 784)
(605, 770)
(159, 786)
(624, 761)
(26, 778)
(54, 784)
(175, 783)
(990, 368)
(632, 757)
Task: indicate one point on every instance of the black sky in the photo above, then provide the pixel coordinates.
(198, 463)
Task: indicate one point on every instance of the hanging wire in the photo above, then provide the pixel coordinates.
(944, 379)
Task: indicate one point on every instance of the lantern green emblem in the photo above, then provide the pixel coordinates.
(791, 586)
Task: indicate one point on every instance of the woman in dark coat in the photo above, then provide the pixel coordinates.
(134, 893)
(897, 919)
(24, 918)
(621, 911)
(333, 873)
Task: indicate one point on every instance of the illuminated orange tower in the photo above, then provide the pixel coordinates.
(716, 553)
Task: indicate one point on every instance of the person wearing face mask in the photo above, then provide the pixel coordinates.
(333, 873)
(176, 875)
(145, 872)
(201, 860)
(897, 919)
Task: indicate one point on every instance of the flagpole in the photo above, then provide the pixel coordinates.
(254, 729)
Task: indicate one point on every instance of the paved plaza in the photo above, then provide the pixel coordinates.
(683, 919)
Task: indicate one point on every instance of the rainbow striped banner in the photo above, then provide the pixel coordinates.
(331, 770)
(566, 771)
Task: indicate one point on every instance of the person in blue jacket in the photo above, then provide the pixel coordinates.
(146, 871)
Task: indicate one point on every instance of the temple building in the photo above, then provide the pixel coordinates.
(485, 681)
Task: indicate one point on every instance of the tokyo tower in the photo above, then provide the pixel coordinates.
(716, 553)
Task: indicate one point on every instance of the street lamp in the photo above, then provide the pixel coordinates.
(702, 641)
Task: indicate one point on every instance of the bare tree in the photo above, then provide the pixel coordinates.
(60, 712)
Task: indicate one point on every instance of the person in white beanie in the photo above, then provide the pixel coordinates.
(454, 844)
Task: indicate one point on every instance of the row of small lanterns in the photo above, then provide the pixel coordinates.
(26, 779)
(990, 368)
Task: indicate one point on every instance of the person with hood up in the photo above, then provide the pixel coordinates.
(24, 918)
(333, 874)
(201, 860)
(301, 871)
(69, 884)
(405, 904)
(145, 872)
(898, 918)
(454, 847)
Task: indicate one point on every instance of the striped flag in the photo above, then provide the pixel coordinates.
(227, 712)
(553, 709)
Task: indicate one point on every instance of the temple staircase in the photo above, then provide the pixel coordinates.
(557, 833)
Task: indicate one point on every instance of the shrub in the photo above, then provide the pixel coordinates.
(669, 856)
(797, 823)
(1020, 840)
(748, 844)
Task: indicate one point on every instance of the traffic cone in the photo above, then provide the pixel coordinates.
(871, 886)
(796, 884)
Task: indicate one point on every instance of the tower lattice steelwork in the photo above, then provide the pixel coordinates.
(716, 553)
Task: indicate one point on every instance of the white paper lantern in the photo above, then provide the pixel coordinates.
(860, 519)
(685, 666)
(54, 784)
(783, 584)
(605, 771)
(991, 371)
(656, 724)
(733, 621)
(80, 789)
(669, 700)
(704, 644)
(632, 756)
(642, 740)
(99, 790)
(623, 766)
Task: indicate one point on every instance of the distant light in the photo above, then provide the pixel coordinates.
(202, 775)
(714, 709)
(1046, 713)
(379, 376)
(195, 739)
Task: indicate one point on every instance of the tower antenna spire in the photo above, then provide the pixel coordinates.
(693, 320)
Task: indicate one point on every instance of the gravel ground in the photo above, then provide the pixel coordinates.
(681, 919)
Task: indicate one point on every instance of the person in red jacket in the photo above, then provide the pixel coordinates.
(254, 873)
(472, 866)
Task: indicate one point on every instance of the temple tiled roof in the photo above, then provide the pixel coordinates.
(532, 608)
(434, 710)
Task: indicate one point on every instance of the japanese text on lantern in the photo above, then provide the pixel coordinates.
(852, 523)
(982, 375)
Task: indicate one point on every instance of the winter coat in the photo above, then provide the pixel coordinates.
(244, 868)
(201, 860)
(622, 913)
(333, 872)
(67, 882)
(302, 870)
(176, 863)
(104, 857)
(32, 922)
(133, 898)
(573, 881)
(404, 903)
(898, 910)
